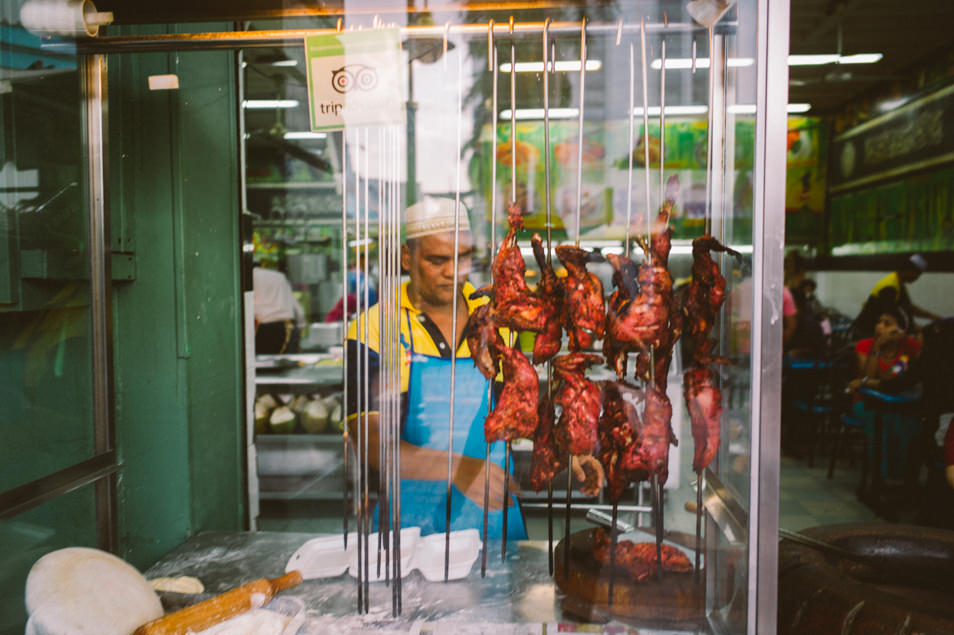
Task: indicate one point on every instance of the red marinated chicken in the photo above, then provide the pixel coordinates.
(584, 314)
(624, 279)
(515, 415)
(638, 560)
(580, 399)
(704, 401)
(550, 291)
(706, 295)
(484, 340)
(661, 234)
(618, 434)
(547, 459)
(515, 305)
(656, 436)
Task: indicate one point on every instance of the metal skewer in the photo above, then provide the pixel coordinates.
(382, 347)
(614, 539)
(546, 171)
(662, 116)
(359, 358)
(579, 150)
(631, 145)
(367, 365)
(493, 245)
(397, 598)
(709, 150)
(513, 198)
(453, 343)
(657, 508)
(698, 523)
(344, 361)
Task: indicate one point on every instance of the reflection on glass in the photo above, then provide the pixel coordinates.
(45, 363)
(68, 521)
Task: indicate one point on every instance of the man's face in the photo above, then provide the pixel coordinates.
(909, 274)
(430, 263)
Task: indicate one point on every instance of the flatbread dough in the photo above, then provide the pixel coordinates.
(254, 622)
(182, 584)
(79, 590)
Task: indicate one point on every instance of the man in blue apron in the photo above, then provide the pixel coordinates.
(426, 349)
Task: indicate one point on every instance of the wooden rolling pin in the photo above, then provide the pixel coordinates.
(210, 612)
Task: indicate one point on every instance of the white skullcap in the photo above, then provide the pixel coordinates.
(434, 216)
(918, 261)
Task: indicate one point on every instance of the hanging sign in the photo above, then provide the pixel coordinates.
(355, 78)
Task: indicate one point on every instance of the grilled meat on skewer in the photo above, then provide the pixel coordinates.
(515, 415)
(656, 434)
(706, 295)
(515, 305)
(580, 399)
(618, 434)
(638, 560)
(704, 401)
(547, 458)
(624, 279)
(483, 340)
(584, 313)
(661, 234)
(550, 291)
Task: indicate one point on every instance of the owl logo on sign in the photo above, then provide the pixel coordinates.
(354, 77)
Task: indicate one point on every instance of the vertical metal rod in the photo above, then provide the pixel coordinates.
(694, 48)
(453, 343)
(359, 358)
(550, 527)
(506, 502)
(614, 540)
(546, 128)
(513, 117)
(382, 346)
(645, 83)
(365, 493)
(710, 124)
(579, 149)
(97, 173)
(662, 122)
(493, 247)
(566, 522)
(698, 522)
(344, 320)
(631, 146)
(657, 508)
(396, 376)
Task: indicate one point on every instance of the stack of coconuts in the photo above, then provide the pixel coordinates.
(311, 414)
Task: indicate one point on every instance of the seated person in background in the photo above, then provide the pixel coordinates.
(278, 316)
(887, 355)
(892, 291)
(811, 331)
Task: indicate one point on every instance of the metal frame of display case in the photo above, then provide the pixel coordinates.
(768, 242)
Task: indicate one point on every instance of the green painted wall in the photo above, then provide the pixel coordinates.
(178, 383)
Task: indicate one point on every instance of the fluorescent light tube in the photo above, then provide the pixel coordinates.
(305, 136)
(860, 58)
(832, 58)
(697, 109)
(537, 113)
(285, 63)
(701, 62)
(260, 104)
(564, 66)
(796, 108)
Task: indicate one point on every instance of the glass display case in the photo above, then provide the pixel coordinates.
(608, 179)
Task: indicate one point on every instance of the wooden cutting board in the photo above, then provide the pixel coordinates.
(679, 599)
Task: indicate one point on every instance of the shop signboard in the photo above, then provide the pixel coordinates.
(914, 137)
(355, 78)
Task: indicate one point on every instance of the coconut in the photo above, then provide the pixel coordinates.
(335, 413)
(261, 418)
(283, 420)
(314, 418)
(299, 403)
(267, 401)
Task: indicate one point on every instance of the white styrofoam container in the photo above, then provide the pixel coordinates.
(409, 540)
(429, 556)
(323, 557)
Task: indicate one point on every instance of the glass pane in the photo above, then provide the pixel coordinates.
(596, 174)
(45, 367)
(68, 521)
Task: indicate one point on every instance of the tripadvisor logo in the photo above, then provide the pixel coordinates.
(354, 77)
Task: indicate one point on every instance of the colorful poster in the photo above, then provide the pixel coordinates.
(806, 152)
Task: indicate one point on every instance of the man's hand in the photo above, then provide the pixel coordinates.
(589, 471)
(469, 479)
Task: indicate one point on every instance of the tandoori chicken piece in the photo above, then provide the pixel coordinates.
(550, 291)
(705, 296)
(618, 433)
(626, 288)
(514, 303)
(547, 458)
(704, 401)
(584, 314)
(656, 435)
(484, 340)
(580, 399)
(515, 415)
(638, 560)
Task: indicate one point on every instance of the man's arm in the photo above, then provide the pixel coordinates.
(427, 464)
